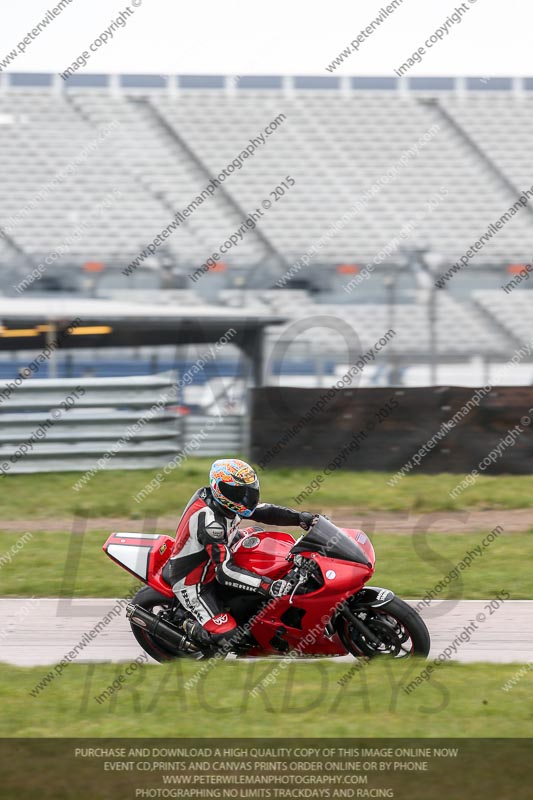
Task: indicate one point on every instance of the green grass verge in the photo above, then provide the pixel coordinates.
(72, 565)
(111, 493)
(460, 700)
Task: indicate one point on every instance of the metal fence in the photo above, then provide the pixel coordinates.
(65, 425)
(216, 437)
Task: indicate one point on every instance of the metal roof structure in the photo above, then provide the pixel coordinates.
(73, 322)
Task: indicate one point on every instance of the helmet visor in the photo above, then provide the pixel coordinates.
(247, 495)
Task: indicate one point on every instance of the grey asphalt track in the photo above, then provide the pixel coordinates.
(42, 631)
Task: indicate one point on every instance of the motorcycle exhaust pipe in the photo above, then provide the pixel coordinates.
(158, 627)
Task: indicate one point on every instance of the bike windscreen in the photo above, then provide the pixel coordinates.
(328, 540)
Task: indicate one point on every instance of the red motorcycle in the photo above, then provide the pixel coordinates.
(329, 612)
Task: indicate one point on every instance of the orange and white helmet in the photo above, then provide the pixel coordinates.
(235, 486)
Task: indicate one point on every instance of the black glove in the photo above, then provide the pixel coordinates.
(279, 588)
(307, 520)
(276, 588)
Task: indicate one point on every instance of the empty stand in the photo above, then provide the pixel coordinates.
(336, 147)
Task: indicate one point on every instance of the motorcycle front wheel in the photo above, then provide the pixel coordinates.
(399, 630)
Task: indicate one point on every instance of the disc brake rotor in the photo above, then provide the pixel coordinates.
(385, 632)
(391, 634)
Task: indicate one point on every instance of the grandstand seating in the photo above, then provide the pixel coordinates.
(460, 328)
(513, 311)
(159, 149)
(335, 145)
(501, 126)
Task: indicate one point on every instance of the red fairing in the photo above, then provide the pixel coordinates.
(142, 555)
(264, 553)
(159, 558)
(269, 554)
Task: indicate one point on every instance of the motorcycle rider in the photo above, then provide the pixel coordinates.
(201, 554)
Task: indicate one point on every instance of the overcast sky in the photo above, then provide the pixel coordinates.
(275, 37)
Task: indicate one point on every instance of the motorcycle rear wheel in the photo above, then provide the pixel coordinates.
(154, 602)
(401, 630)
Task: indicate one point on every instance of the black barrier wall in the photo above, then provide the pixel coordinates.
(436, 429)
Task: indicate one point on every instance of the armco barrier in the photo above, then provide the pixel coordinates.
(304, 427)
(125, 417)
(224, 438)
(135, 392)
